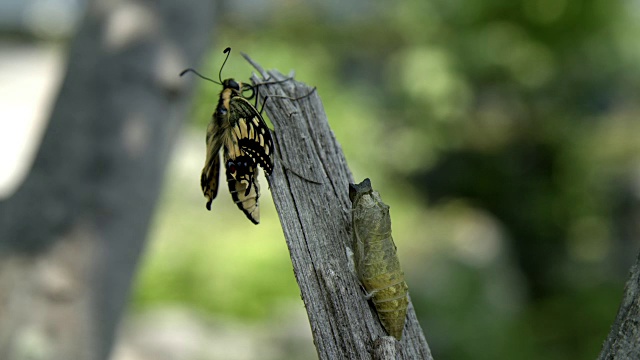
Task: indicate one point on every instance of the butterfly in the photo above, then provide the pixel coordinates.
(239, 130)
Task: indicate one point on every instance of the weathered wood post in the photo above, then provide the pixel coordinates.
(310, 188)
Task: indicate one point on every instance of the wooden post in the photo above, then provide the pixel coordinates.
(310, 188)
(623, 341)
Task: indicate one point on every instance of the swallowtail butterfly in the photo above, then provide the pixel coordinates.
(375, 258)
(239, 130)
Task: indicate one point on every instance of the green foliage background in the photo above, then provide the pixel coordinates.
(503, 134)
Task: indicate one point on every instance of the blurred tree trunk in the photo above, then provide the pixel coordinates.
(71, 236)
(310, 187)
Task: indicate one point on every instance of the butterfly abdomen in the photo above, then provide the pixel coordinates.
(242, 178)
(375, 258)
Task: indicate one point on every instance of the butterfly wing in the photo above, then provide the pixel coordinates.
(211, 170)
(252, 134)
(244, 187)
(240, 129)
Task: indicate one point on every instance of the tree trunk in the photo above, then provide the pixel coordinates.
(310, 187)
(71, 236)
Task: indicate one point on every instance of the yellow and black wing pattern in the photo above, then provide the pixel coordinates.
(375, 257)
(240, 131)
(244, 187)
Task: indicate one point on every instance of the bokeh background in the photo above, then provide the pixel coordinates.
(503, 134)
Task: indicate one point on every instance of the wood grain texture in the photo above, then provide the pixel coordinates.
(310, 185)
(623, 341)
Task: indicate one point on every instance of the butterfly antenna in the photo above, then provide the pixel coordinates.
(199, 75)
(228, 52)
(267, 97)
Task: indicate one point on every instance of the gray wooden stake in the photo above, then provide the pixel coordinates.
(310, 185)
(623, 341)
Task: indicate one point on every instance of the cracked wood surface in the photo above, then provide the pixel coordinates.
(310, 185)
(623, 341)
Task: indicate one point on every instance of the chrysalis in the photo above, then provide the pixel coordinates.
(375, 257)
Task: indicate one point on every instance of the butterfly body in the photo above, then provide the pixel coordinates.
(239, 130)
(244, 187)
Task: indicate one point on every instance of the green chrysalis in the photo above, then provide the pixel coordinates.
(375, 258)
